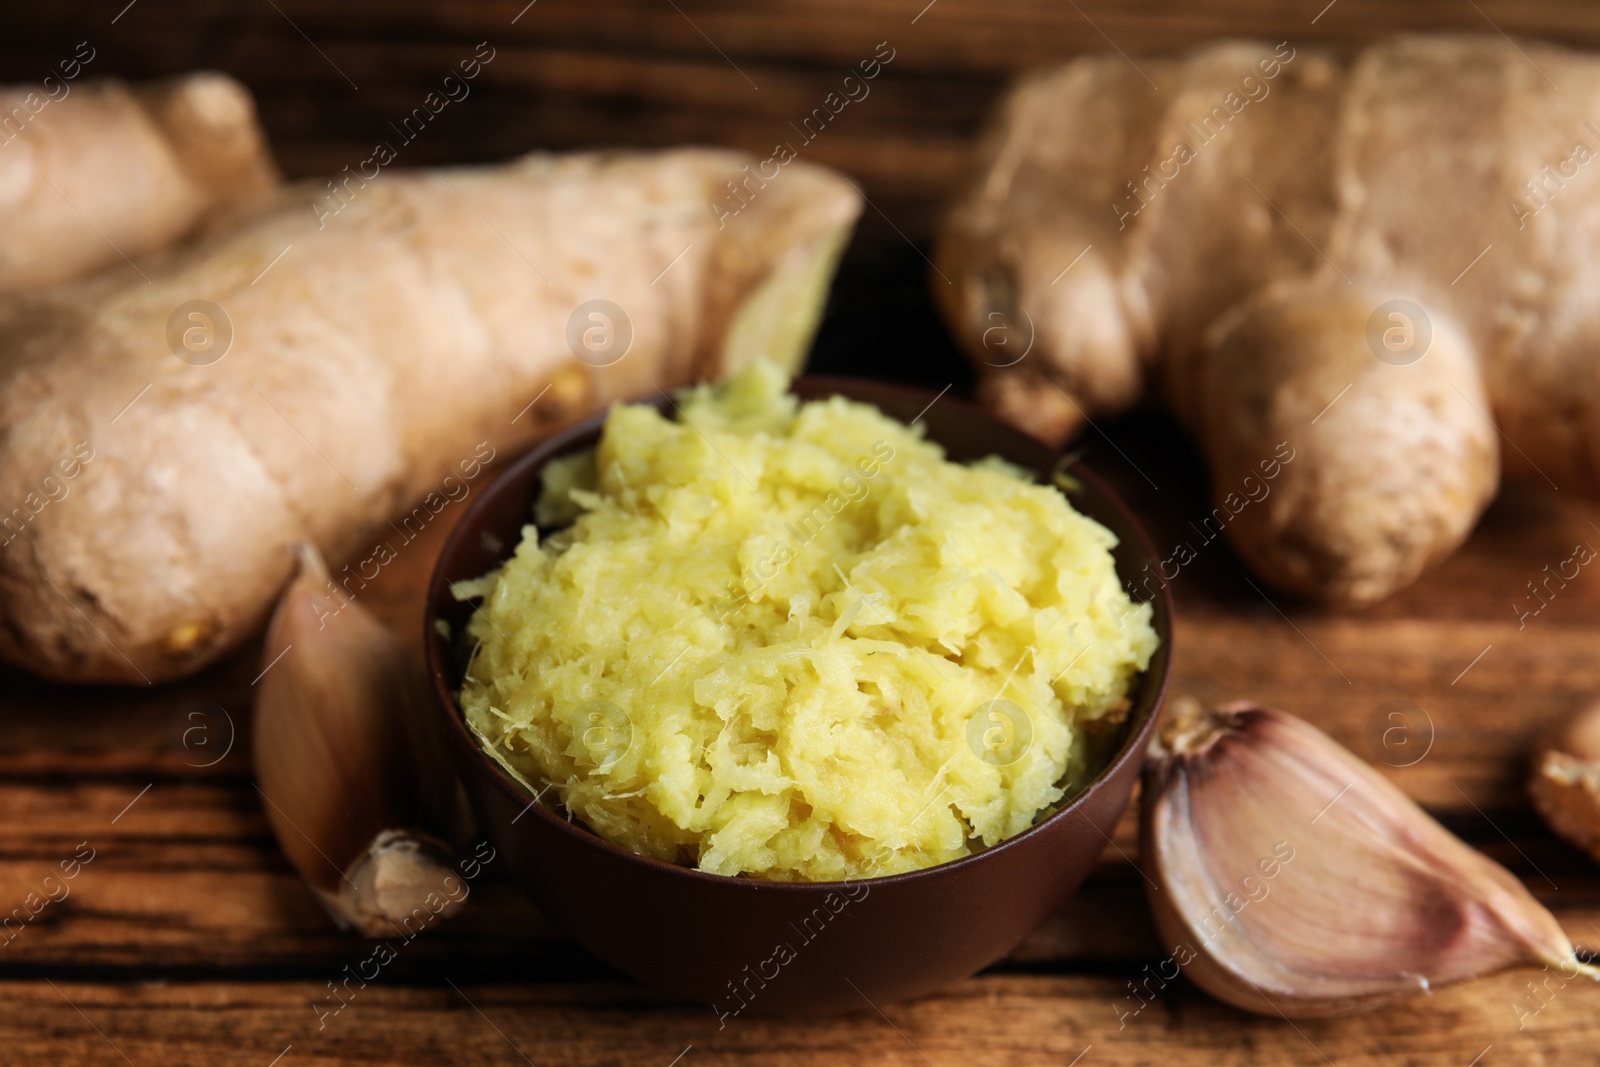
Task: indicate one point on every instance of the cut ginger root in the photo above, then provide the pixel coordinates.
(1376, 264)
(330, 362)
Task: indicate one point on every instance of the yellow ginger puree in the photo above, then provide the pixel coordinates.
(793, 641)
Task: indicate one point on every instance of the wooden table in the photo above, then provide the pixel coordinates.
(187, 939)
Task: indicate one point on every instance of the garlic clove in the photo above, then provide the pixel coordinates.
(1289, 877)
(354, 779)
(1565, 790)
(1565, 786)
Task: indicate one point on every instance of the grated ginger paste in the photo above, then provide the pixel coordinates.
(793, 641)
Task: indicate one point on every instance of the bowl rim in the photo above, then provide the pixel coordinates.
(561, 442)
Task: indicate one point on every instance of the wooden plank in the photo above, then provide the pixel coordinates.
(570, 73)
(185, 874)
(998, 1021)
(187, 885)
(189, 877)
(950, 36)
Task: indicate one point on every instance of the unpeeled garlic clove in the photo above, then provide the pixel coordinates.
(1289, 877)
(1565, 786)
(354, 779)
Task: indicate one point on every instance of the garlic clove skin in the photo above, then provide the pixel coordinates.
(1290, 878)
(355, 782)
(1565, 786)
(391, 883)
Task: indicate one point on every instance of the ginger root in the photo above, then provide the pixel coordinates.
(104, 172)
(309, 375)
(1379, 262)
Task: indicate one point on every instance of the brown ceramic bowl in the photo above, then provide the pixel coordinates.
(752, 947)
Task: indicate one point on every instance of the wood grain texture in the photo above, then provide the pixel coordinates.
(188, 940)
(187, 885)
(1003, 1020)
(568, 73)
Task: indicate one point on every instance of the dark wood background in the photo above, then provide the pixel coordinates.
(188, 940)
